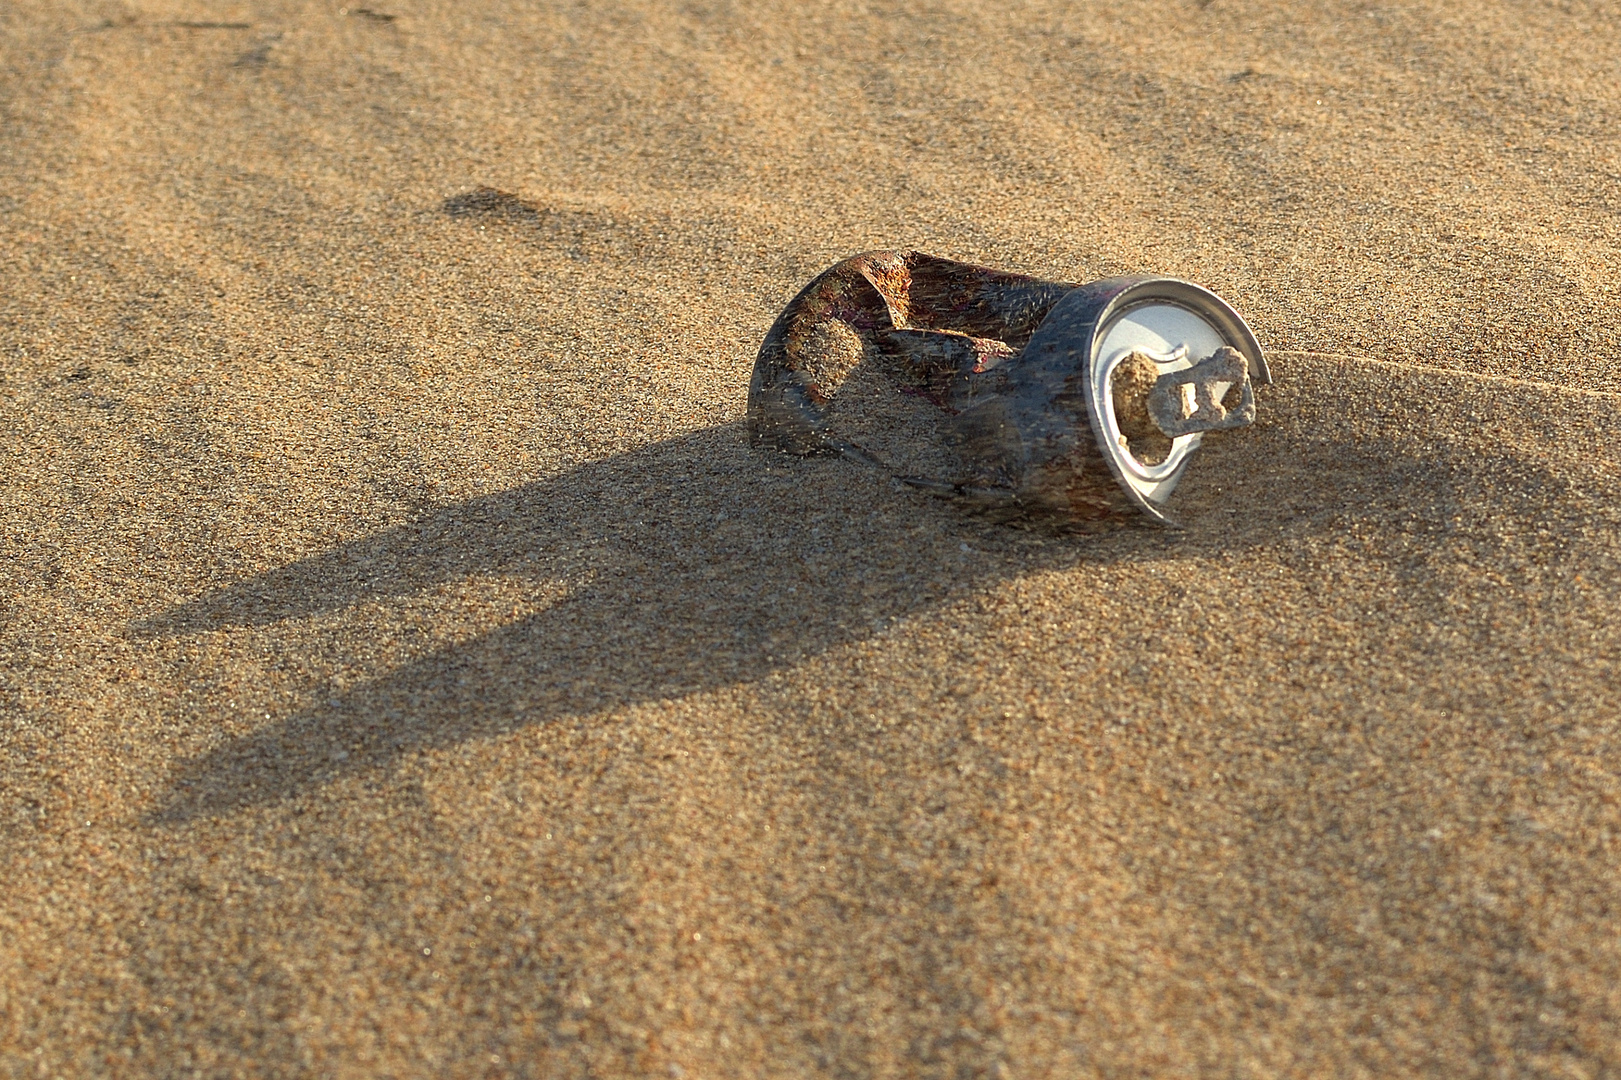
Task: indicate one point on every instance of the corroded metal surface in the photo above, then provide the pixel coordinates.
(1008, 367)
(949, 325)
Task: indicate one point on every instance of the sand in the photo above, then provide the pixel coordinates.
(408, 670)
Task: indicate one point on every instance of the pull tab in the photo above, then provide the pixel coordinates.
(1189, 401)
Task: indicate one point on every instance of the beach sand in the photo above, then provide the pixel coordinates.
(407, 669)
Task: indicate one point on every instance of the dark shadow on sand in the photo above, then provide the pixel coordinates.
(699, 562)
(679, 571)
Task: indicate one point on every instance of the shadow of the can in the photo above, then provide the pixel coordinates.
(697, 563)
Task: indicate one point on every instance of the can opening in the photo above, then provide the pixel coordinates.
(1129, 386)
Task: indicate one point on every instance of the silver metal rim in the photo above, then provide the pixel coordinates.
(1150, 486)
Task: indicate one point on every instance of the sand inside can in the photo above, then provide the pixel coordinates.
(880, 410)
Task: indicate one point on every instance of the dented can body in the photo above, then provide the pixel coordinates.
(1042, 398)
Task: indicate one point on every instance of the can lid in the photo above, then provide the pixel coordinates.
(1179, 362)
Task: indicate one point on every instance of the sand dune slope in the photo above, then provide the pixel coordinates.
(407, 669)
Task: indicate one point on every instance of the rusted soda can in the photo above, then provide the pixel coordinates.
(1019, 396)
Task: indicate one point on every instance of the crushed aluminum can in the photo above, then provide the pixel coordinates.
(1021, 397)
